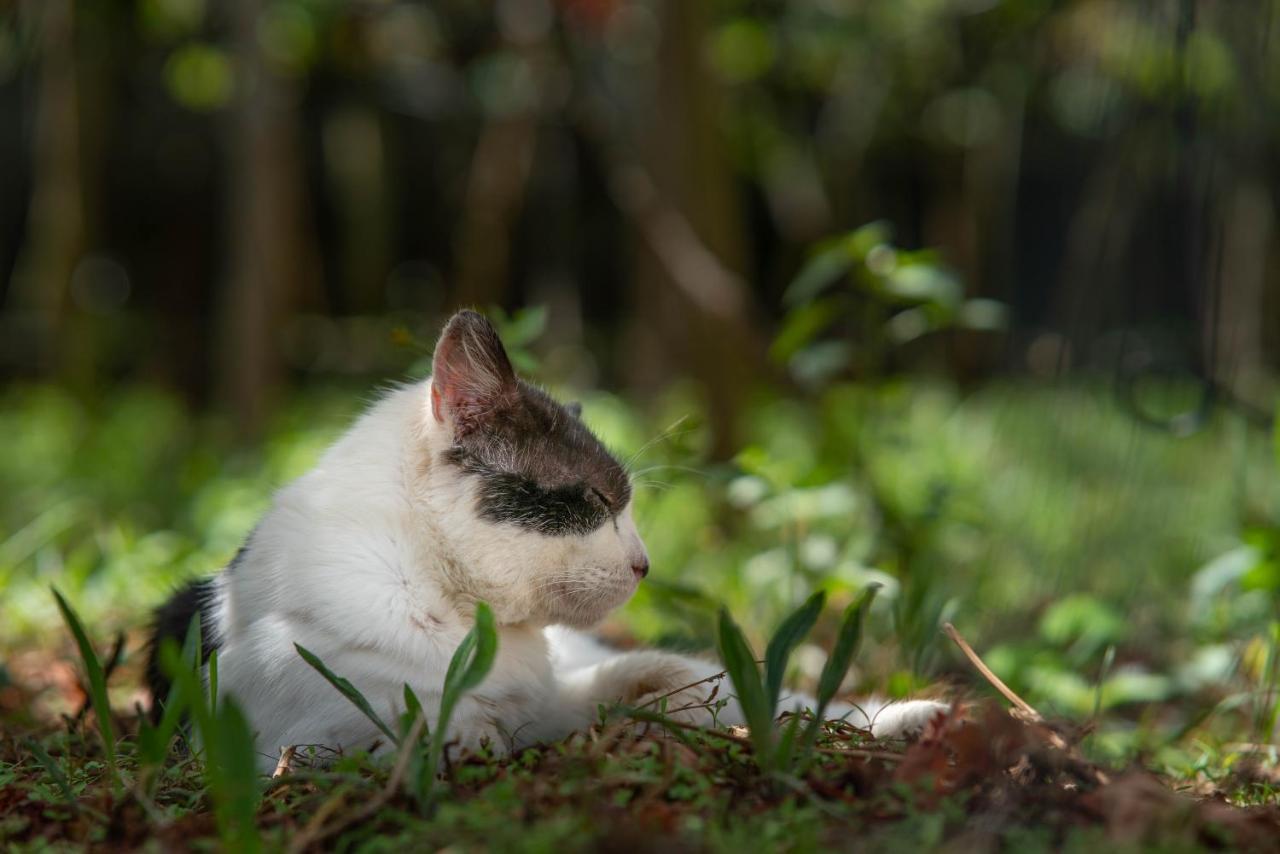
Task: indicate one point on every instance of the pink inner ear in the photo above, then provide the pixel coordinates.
(472, 377)
(436, 406)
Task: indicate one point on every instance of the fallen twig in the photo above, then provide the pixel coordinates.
(284, 766)
(746, 741)
(1022, 710)
(996, 682)
(715, 677)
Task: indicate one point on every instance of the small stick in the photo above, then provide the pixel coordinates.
(744, 740)
(1022, 709)
(285, 765)
(995, 680)
(882, 755)
(708, 680)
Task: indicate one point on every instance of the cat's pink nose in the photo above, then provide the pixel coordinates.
(641, 569)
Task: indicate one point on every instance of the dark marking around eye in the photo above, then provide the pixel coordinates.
(554, 511)
(537, 466)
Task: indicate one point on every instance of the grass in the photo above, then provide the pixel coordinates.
(1121, 580)
(979, 776)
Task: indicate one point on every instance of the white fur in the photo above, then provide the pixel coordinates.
(374, 559)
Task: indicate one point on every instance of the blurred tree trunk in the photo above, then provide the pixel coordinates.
(270, 242)
(498, 181)
(495, 190)
(692, 307)
(56, 223)
(356, 173)
(1235, 327)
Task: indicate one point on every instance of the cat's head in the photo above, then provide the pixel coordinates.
(536, 510)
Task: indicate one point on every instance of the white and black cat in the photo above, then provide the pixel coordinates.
(469, 486)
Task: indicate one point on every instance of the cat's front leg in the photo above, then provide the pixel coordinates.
(684, 689)
(477, 722)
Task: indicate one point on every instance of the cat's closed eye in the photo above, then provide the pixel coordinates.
(600, 497)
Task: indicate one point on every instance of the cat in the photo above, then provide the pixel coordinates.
(470, 486)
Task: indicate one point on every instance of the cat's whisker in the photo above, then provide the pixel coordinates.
(651, 484)
(670, 432)
(672, 466)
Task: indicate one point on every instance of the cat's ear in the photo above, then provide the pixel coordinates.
(471, 376)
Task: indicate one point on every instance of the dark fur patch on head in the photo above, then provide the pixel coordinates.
(541, 468)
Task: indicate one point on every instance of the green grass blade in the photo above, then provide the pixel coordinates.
(784, 641)
(846, 647)
(412, 711)
(471, 662)
(787, 742)
(97, 686)
(225, 745)
(187, 689)
(458, 664)
(154, 740)
(346, 689)
(53, 769)
(233, 777)
(213, 681)
(836, 667)
(486, 634)
(1108, 659)
(740, 662)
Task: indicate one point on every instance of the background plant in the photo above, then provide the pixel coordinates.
(760, 693)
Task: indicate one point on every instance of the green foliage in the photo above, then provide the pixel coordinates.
(224, 743)
(155, 740)
(471, 662)
(784, 641)
(97, 688)
(883, 295)
(346, 689)
(759, 694)
(53, 769)
(847, 641)
(232, 775)
(757, 706)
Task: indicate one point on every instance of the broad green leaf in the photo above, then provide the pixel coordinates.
(846, 647)
(924, 283)
(784, 641)
(859, 242)
(740, 662)
(524, 326)
(412, 711)
(486, 648)
(803, 324)
(820, 272)
(470, 664)
(346, 689)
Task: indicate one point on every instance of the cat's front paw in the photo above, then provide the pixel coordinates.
(660, 683)
(905, 719)
(476, 725)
